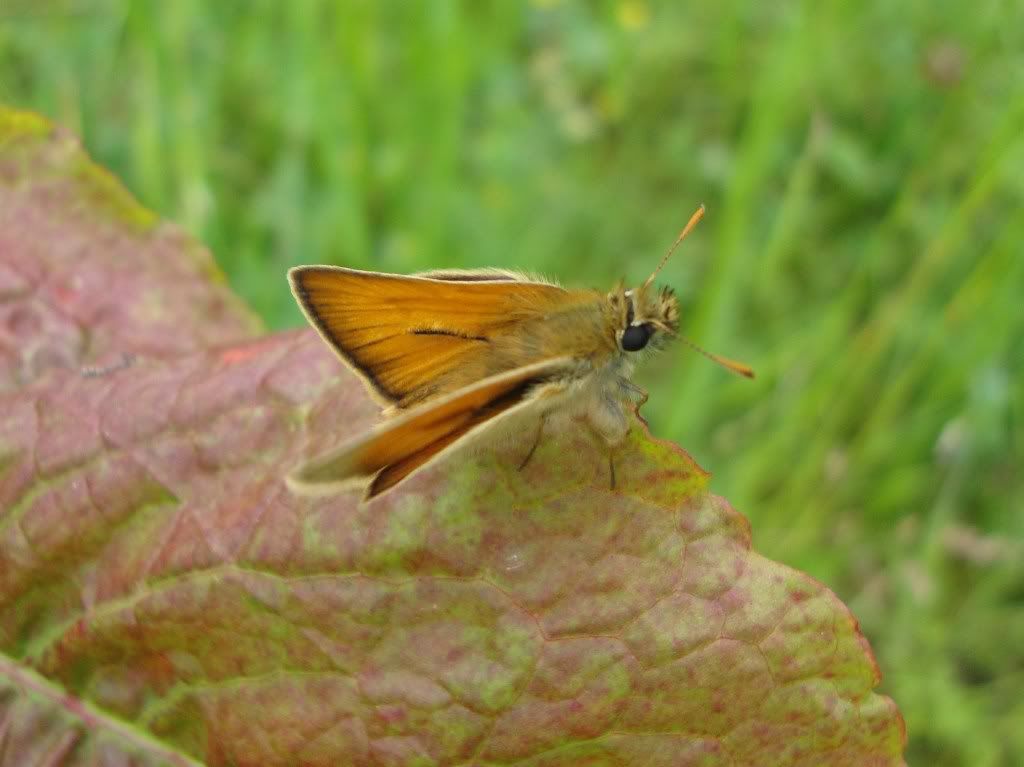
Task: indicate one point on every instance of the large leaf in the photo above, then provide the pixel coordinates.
(165, 600)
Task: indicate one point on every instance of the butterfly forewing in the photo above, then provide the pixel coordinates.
(404, 334)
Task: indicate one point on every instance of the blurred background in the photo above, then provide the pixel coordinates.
(863, 170)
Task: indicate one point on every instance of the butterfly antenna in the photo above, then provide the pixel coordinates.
(697, 216)
(736, 367)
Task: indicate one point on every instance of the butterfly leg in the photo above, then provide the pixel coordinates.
(607, 417)
(634, 392)
(536, 441)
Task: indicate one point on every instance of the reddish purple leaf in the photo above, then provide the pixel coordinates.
(165, 600)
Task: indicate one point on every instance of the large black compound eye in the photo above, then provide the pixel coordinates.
(635, 337)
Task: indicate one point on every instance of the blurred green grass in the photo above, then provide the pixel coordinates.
(863, 169)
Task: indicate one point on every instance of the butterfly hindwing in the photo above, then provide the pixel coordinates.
(398, 447)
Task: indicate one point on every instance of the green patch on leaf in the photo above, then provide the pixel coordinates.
(16, 125)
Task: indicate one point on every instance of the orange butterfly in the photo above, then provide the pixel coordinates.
(452, 352)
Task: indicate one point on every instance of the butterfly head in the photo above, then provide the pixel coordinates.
(648, 316)
(646, 319)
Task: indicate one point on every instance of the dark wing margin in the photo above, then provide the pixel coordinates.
(399, 447)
